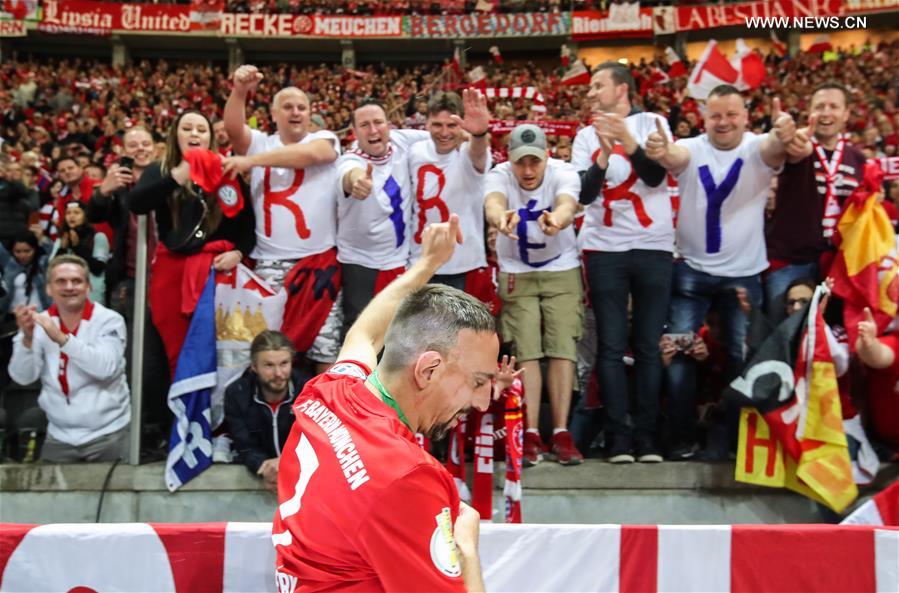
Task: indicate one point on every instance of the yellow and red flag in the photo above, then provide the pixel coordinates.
(793, 436)
(865, 269)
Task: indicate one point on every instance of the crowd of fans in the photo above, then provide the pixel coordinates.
(65, 125)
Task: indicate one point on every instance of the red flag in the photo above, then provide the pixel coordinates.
(865, 268)
(711, 70)
(883, 509)
(478, 77)
(676, 66)
(457, 62)
(750, 65)
(577, 74)
(497, 57)
(565, 55)
(821, 45)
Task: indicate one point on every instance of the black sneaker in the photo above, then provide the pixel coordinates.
(681, 452)
(621, 452)
(647, 452)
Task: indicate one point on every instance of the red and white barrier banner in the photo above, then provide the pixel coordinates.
(451, 26)
(238, 557)
(890, 166)
(62, 16)
(19, 10)
(552, 128)
(596, 24)
(670, 19)
(13, 29)
(288, 25)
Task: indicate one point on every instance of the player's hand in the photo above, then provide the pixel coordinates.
(548, 224)
(246, 78)
(466, 531)
(508, 224)
(477, 116)
(438, 241)
(363, 184)
(233, 166)
(782, 123)
(657, 143)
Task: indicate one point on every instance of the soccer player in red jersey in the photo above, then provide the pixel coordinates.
(362, 506)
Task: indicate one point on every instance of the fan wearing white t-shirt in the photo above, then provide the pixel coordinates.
(724, 176)
(627, 241)
(292, 184)
(374, 207)
(447, 178)
(531, 200)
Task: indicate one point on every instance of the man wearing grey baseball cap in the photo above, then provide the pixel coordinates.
(531, 200)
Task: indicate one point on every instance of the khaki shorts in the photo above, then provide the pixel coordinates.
(542, 313)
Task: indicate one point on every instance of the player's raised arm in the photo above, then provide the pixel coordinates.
(366, 338)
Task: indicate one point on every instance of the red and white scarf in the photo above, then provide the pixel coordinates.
(514, 421)
(830, 169)
(376, 160)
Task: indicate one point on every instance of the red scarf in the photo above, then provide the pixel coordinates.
(63, 375)
(514, 450)
(482, 495)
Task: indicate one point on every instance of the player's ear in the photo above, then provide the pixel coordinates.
(426, 369)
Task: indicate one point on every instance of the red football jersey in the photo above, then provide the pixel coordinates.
(362, 506)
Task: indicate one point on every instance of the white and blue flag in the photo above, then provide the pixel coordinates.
(190, 445)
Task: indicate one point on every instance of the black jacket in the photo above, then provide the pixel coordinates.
(250, 420)
(16, 203)
(113, 210)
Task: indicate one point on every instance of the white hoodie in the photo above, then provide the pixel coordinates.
(98, 400)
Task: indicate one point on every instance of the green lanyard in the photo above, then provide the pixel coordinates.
(388, 399)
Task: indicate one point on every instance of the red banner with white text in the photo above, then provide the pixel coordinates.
(88, 16)
(671, 19)
(596, 24)
(289, 25)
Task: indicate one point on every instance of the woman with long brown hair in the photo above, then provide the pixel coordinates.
(195, 232)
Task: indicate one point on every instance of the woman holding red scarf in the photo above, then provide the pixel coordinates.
(197, 228)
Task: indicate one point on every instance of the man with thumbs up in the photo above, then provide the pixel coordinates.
(531, 200)
(723, 177)
(627, 240)
(810, 196)
(879, 355)
(374, 207)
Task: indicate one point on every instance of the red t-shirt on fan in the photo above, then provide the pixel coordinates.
(882, 397)
(362, 506)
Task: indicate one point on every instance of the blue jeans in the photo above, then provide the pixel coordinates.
(644, 276)
(776, 284)
(693, 294)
